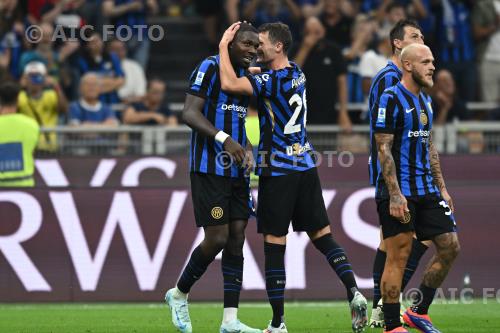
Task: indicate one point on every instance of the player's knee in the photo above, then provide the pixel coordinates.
(235, 243)
(452, 251)
(313, 235)
(399, 256)
(220, 241)
(215, 241)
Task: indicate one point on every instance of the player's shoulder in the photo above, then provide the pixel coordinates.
(213, 60)
(389, 95)
(390, 92)
(206, 69)
(208, 63)
(390, 70)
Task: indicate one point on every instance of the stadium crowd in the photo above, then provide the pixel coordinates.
(340, 44)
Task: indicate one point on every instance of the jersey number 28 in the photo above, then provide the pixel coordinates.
(300, 102)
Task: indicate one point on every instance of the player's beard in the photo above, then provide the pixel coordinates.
(421, 81)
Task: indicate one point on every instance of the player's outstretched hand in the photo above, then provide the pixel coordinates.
(398, 206)
(229, 34)
(248, 163)
(235, 150)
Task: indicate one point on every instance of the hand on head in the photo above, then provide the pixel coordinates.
(229, 34)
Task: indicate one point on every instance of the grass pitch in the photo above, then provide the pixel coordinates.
(302, 317)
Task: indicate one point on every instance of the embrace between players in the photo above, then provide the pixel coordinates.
(410, 192)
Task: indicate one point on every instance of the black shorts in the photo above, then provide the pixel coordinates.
(430, 216)
(219, 200)
(296, 197)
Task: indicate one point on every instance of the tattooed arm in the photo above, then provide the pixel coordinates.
(398, 204)
(437, 175)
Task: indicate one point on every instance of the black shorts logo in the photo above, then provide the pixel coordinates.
(406, 218)
(217, 213)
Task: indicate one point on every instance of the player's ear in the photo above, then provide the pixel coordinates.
(398, 44)
(278, 47)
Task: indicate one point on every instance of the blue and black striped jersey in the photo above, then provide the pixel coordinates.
(385, 78)
(225, 112)
(283, 147)
(409, 118)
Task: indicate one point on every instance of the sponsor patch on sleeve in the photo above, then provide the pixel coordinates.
(381, 116)
(199, 78)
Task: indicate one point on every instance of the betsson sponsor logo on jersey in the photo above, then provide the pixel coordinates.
(242, 111)
(416, 134)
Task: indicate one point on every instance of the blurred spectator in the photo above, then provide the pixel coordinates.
(338, 25)
(10, 14)
(153, 110)
(373, 60)
(417, 8)
(315, 7)
(486, 27)
(68, 16)
(94, 58)
(35, 10)
(455, 47)
(11, 38)
(134, 88)
(447, 104)
(211, 12)
(46, 52)
(43, 101)
(394, 12)
(63, 13)
(362, 36)
(325, 69)
(88, 110)
(287, 11)
(129, 16)
(311, 7)
(18, 137)
(232, 10)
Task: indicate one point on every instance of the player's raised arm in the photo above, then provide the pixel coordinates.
(438, 175)
(229, 81)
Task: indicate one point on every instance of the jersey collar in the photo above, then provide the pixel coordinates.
(393, 66)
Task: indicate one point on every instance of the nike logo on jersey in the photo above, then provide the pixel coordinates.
(410, 110)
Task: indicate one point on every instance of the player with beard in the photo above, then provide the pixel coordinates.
(404, 33)
(219, 188)
(410, 192)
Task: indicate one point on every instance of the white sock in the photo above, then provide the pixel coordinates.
(179, 294)
(229, 315)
